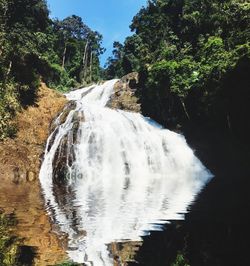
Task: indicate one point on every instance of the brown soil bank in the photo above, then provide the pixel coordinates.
(20, 161)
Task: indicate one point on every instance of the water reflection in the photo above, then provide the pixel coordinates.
(41, 246)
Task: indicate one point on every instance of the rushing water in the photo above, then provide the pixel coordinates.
(123, 176)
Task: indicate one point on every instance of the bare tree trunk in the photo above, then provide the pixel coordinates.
(64, 55)
(8, 70)
(84, 59)
(184, 108)
(85, 53)
(86, 67)
(5, 10)
(90, 67)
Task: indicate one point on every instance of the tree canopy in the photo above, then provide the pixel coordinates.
(33, 48)
(187, 53)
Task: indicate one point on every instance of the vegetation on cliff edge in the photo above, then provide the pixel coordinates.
(33, 48)
(194, 62)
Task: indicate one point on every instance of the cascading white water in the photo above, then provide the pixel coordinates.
(128, 176)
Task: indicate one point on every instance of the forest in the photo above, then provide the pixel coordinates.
(193, 58)
(35, 48)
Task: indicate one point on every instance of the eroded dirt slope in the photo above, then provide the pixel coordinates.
(20, 161)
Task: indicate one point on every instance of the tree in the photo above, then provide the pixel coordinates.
(33, 47)
(184, 52)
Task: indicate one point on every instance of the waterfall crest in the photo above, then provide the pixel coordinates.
(110, 175)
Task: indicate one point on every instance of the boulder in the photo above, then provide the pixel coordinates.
(124, 97)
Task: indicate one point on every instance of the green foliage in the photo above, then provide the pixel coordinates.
(78, 49)
(180, 260)
(19, 61)
(59, 79)
(9, 245)
(126, 58)
(33, 48)
(8, 105)
(185, 52)
(180, 76)
(67, 264)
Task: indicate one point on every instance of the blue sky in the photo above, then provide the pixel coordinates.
(109, 17)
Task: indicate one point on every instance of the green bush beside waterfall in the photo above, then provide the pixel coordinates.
(194, 62)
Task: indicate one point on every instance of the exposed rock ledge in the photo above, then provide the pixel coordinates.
(124, 97)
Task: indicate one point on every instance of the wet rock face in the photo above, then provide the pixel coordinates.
(60, 162)
(70, 106)
(64, 160)
(124, 97)
(65, 154)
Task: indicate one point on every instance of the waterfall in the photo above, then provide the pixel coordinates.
(110, 175)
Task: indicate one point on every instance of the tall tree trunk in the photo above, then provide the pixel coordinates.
(8, 70)
(85, 67)
(85, 53)
(90, 67)
(184, 108)
(64, 55)
(84, 59)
